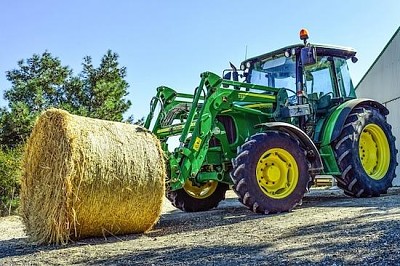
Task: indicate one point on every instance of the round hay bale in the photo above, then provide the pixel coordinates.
(88, 177)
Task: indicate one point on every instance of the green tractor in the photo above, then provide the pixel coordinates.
(268, 129)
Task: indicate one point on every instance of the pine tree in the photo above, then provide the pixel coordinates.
(42, 82)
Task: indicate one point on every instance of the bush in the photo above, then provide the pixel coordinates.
(10, 170)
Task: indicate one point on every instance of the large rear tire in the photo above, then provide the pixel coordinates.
(366, 154)
(193, 198)
(270, 173)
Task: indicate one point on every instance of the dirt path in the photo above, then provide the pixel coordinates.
(328, 229)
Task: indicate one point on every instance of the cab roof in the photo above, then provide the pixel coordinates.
(339, 51)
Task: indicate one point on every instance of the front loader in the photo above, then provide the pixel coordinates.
(268, 129)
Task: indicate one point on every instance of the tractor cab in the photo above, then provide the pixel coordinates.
(316, 75)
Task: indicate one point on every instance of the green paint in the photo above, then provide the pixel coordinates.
(221, 114)
(328, 158)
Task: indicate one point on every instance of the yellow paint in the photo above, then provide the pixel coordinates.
(277, 173)
(200, 192)
(374, 151)
(197, 143)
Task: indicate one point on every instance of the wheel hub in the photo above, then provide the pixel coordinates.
(277, 173)
(273, 173)
(374, 151)
(202, 191)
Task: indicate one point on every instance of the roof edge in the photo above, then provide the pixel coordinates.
(299, 45)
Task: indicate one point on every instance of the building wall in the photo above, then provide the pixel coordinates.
(382, 83)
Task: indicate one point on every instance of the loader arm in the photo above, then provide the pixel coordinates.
(220, 97)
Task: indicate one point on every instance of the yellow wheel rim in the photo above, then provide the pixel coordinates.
(277, 173)
(374, 151)
(200, 192)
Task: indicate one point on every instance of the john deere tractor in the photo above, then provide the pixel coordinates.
(268, 129)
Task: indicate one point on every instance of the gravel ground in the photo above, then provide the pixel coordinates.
(328, 229)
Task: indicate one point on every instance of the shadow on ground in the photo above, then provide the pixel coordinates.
(343, 242)
(230, 212)
(368, 238)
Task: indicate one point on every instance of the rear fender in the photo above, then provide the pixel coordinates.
(313, 155)
(335, 123)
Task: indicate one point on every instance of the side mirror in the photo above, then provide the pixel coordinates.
(308, 55)
(235, 76)
(228, 75)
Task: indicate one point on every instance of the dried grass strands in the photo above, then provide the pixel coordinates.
(88, 177)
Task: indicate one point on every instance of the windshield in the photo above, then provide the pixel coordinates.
(276, 72)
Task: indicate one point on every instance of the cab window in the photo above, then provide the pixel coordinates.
(343, 77)
(318, 77)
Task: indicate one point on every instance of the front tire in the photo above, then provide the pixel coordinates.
(366, 154)
(193, 198)
(270, 173)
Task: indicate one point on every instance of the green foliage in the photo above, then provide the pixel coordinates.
(103, 89)
(42, 82)
(15, 125)
(38, 82)
(10, 170)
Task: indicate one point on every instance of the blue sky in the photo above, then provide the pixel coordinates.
(171, 42)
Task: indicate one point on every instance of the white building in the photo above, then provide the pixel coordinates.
(382, 83)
